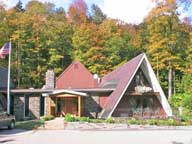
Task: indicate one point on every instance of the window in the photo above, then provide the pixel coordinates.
(138, 103)
(141, 102)
(26, 106)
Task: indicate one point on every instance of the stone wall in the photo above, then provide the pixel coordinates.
(19, 107)
(34, 107)
(46, 106)
(91, 106)
(3, 102)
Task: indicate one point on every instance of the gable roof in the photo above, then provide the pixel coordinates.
(3, 78)
(75, 76)
(124, 75)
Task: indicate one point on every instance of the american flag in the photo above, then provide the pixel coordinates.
(4, 50)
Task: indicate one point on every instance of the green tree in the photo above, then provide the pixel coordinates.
(19, 6)
(164, 39)
(97, 15)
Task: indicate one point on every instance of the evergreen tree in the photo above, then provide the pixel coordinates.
(19, 6)
(97, 15)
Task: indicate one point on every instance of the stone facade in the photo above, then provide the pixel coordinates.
(34, 107)
(46, 106)
(50, 79)
(19, 107)
(91, 106)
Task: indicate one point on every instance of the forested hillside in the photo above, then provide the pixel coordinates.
(45, 37)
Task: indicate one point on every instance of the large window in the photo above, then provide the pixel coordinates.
(141, 102)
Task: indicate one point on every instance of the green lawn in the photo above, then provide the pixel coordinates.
(29, 124)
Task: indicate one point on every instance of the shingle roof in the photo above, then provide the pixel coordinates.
(76, 75)
(3, 78)
(123, 76)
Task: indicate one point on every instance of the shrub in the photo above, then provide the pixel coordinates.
(171, 122)
(161, 122)
(29, 124)
(152, 122)
(176, 100)
(187, 102)
(70, 118)
(97, 120)
(132, 121)
(110, 120)
(47, 118)
(84, 119)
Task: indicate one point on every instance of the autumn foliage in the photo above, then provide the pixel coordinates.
(44, 37)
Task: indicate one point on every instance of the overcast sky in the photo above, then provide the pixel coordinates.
(130, 11)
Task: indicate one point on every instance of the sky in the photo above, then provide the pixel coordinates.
(130, 11)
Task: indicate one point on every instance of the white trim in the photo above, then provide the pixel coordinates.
(67, 91)
(130, 80)
(155, 84)
(156, 87)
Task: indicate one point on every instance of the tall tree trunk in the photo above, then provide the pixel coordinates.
(18, 65)
(174, 82)
(170, 83)
(157, 67)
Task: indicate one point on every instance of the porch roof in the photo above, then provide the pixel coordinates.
(55, 92)
(88, 90)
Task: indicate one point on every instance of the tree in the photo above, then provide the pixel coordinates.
(188, 58)
(97, 15)
(19, 6)
(103, 51)
(77, 12)
(163, 26)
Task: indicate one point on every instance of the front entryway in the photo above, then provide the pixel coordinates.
(67, 105)
(60, 105)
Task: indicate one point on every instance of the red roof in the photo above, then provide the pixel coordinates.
(75, 76)
(122, 76)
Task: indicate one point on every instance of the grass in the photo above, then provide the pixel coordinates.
(159, 122)
(29, 124)
(47, 118)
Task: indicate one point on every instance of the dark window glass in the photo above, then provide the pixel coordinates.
(42, 105)
(145, 103)
(138, 103)
(26, 99)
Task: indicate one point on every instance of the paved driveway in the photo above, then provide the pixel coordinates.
(96, 137)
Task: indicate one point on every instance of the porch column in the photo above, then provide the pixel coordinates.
(79, 106)
(49, 106)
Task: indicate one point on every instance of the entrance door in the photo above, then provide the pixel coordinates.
(69, 105)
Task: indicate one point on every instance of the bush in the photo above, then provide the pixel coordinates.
(70, 118)
(187, 102)
(97, 120)
(176, 100)
(152, 122)
(171, 122)
(29, 124)
(162, 122)
(132, 121)
(47, 118)
(84, 119)
(110, 120)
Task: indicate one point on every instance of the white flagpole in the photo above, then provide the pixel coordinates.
(8, 80)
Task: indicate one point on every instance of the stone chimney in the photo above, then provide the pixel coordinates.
(50, 79)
